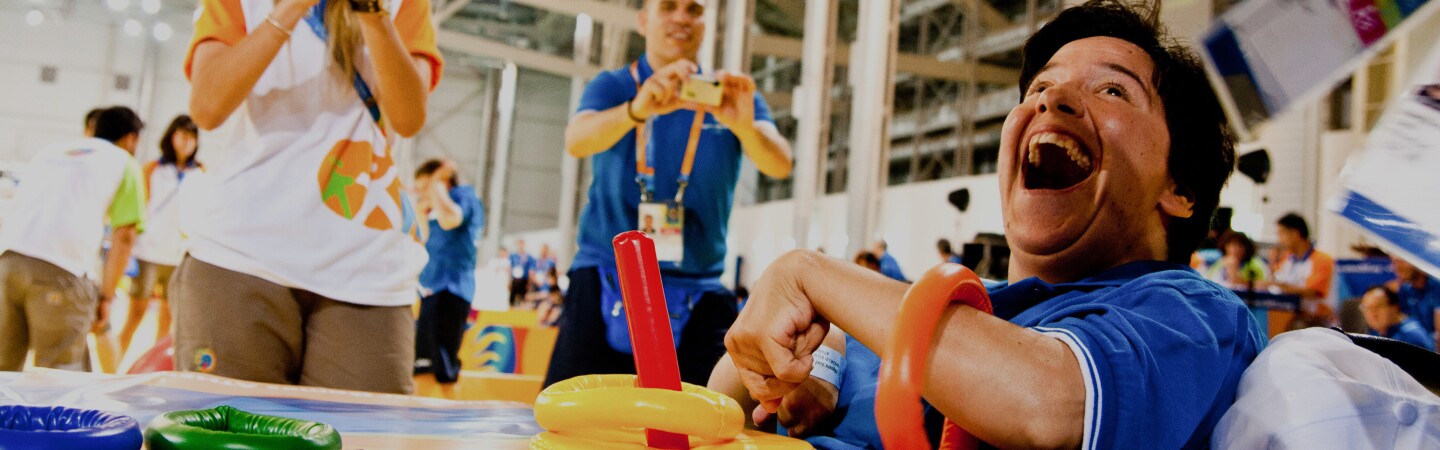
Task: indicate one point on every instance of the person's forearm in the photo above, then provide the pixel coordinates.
(593, 132)
(1039, 404)
(449, 214)
(764, 145)
(1298, 290)
(401, 92)
(122, 241)
(726, 380)
(222, 76)
(423, 226)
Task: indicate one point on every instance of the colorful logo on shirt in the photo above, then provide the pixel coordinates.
(350, 178)
(205, 360)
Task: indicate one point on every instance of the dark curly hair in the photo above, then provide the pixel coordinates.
(1202, 144)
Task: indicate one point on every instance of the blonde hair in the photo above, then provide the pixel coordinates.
(344, 36)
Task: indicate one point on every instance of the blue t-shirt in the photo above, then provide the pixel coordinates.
(452, 252)
(521, 264)
(1161, 352)
(1420, 304)
(1410, 332)
(891, 268)
(542, 274)
(954, 259)
(614, 196)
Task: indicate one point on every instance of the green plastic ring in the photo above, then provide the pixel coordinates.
(228, 428)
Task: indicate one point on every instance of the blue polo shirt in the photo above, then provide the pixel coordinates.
(614, 196)
(1410, 332)
(1420, 304)
(452, 252)
(1161, 351)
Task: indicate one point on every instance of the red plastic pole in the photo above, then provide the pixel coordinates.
(649, 321)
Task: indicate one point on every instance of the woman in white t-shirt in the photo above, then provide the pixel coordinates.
(302, 254)
(158, 249)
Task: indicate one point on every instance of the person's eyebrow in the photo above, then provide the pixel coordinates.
(1127, 72)
(1040, 72)
(1108, 65)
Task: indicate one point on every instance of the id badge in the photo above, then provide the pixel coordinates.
(664, 222)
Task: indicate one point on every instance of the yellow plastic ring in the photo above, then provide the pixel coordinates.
(603, 412)
(597, 403)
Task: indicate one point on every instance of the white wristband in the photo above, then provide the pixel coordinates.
(829, 365)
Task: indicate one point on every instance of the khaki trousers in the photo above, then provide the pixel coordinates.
(235, 325)
(44, 308)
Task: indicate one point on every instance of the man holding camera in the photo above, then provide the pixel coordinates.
(683, 169)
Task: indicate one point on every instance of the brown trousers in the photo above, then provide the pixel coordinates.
(235, 325)
(44, 308)
(151, 275)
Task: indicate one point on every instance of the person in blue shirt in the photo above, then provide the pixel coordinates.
(646, 95)
(540, 284)
(888, 266)
(1385, 318)
(947, 252)
(1110, 170)
(1419, 294)
(521, 265)
(456, 218)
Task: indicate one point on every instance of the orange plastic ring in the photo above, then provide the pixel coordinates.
(898, 413)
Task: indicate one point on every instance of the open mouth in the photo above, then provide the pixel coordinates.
(679, 35)
(1056, 161)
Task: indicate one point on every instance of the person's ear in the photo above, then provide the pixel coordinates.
(130, 142)
(1178, 202)
(641, 19)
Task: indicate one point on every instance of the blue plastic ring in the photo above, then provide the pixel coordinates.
(58, 428)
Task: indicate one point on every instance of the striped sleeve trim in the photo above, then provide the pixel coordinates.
(1088, 372)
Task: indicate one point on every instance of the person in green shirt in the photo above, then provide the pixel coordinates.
(1239, 267)
(68, 193)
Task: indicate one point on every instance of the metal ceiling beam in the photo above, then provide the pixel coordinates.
(449, 10)
(990, 18)
(795, 9)
(921, 65)
(607, 13)
(530, 59)
(778, 100)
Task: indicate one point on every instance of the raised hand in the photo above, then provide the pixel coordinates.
(737, 108)
(773, 338)
(660, 94)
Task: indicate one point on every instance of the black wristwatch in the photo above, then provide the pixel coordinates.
(367, 6)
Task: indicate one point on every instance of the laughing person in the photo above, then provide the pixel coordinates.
(1110, 169)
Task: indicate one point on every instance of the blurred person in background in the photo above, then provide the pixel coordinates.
(72, 190)
(455, 218)
(158, 251)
